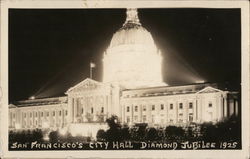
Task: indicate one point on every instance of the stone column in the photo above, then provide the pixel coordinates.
(94, 106)
(167, 112)
(186, 110)
(225, 107)
(176, 107)
(236, 108)
(132, 113)
(148, 112)
(199, 110)
(195, 110)
(70, 109)
(219, 106)
(75, 110)
(140, 109)
(107, 105)
(58, 117)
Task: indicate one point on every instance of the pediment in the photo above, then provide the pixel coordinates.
(209, 90)
(12, 106)
(85, 85)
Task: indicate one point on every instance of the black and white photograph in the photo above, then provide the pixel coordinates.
(126, 78)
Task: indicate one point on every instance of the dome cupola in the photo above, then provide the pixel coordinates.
(132, 59)
(132, 32)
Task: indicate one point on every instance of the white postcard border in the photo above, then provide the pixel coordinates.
(244, 5)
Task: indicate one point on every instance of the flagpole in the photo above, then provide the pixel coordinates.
(90, 67)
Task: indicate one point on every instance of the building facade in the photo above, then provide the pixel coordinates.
(91, 103)
(132, 89)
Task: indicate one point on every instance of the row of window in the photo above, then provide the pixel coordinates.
(153, 118)
(171, 106)
(92, 110)
(45, 113)
(30, 123)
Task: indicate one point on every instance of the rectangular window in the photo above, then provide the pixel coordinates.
(190, 117)
(30, 114)
(47, 113)
(82, 110)
(60, 113)
(210, 105)
(92, 110)
(42, 114)
(153, 107)
(66, 112)
(180, 105)
(162, 118)
(144, 108)
(153, 118)
(210, 116)
(190, 105)
(36, 114)
(102, 110)
(128, 119)
(136, 118)
(162, 106)
(180, 117)
(127, 108)
(136, 108)
(171, 106)
(54, 113)
(144, 118)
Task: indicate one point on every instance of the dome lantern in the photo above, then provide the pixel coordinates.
(132, 17)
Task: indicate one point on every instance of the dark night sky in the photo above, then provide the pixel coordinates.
(50, 49)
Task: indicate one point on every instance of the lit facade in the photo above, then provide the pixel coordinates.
(132, 89)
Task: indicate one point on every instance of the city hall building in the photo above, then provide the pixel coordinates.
(132, 89)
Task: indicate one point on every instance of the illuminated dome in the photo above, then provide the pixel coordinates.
(131, 34)
(132, 59)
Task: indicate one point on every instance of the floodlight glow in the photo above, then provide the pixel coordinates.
(17, 126)
(201, 81)
(157, 119)
(32, 97)
(45, 124)
(46, 137)
(86, 129)
(63, 131)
